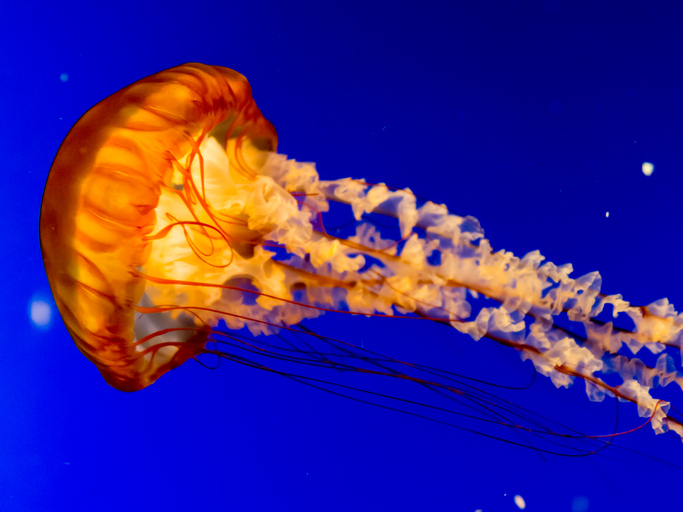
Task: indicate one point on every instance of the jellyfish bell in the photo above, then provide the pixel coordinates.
(100, 202)
(168, 213)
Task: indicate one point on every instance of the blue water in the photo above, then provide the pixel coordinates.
(534, 119)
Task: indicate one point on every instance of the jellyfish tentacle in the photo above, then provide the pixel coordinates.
(582, 292)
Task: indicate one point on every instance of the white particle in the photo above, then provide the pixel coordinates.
(519, 501)
(41, 313)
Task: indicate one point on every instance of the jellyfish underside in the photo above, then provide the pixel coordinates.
(240, 242)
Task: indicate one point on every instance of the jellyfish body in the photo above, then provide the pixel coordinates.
(100, 199)
(167, 210)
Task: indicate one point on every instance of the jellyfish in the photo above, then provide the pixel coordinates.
(169, 224)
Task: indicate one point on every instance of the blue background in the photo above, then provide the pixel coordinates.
(535, 117)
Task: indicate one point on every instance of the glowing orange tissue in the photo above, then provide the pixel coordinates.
(168, 211)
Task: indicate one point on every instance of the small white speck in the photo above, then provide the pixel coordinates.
(64, 77)
(648, 168)
(519, 501)
(41, 313)
(606, 214)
